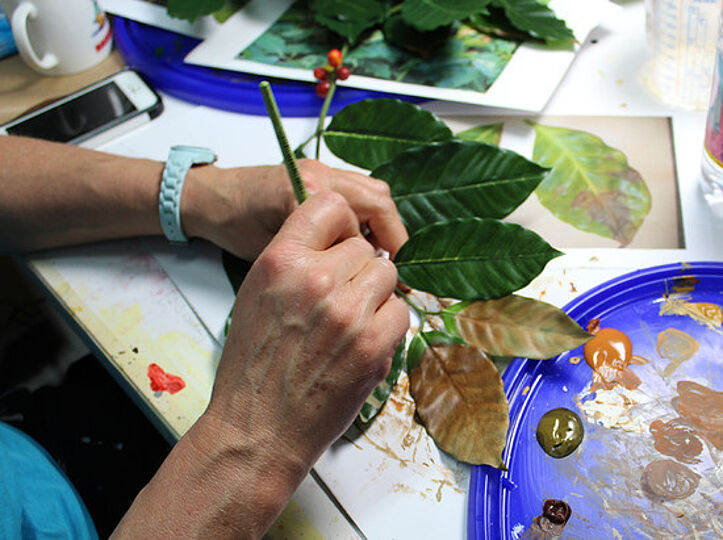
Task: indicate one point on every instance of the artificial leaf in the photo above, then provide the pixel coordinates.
(489, 133)
(403, 35)
(457, 179)
(236, 269)
(430, 14)
(496, 23)
(472, 258)
(460, 398)
(519, 326)
(348, 18)
(422, 340)
(193, 9)
(383, 390)
(591, 185)
(373, 131)
(535, 18)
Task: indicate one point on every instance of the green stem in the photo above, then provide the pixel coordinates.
(322, 116)
(419, 311)
(306, 141)
(289, 159)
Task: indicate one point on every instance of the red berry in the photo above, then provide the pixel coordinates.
(335, 57)
(320, 73)
(323, 88)
(343, 73)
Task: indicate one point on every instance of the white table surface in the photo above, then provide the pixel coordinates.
(135, 306)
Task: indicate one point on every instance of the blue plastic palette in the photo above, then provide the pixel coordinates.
(158, 54)
(601, 480)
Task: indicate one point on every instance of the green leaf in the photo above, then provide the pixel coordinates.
(400, 34)
(536, 19)
(348, 18)
(236, 269)
(460, 398)
(429, 14)
(373, 131)
(519, 326)
(423, 340)
(458, 179)
(381, 393)
(591, 185)
(489, 133)
(472, 259)
(193, 9)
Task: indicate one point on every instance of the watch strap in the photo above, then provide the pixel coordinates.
(180, 159)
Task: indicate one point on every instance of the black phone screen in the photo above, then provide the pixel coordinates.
(78, 116)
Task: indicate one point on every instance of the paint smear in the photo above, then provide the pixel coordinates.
(162, 381)
(555, 515)
(609, 354)
(705, 313)
(685, 284)
(615, 408)
(665, 479)
(702, 408)
(677, 439)
(677, 347)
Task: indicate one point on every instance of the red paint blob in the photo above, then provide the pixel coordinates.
(160, 380)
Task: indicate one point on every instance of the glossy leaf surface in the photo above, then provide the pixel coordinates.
(472, 259)
(591, 185)
(373, 131)
(383, 390)
(535, 18)
(461, 400)
(519, 326)
(348, 18)
(458, 179)
(489, 133)
(429, 14)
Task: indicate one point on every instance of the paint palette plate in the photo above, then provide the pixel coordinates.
(672, 316)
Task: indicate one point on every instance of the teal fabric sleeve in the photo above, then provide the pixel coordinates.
(38, 500)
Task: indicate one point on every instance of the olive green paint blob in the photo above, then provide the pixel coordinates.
(560, 432)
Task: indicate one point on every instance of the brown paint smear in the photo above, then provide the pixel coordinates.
(676, 439)
(677, 347)
(665, 479)
(703, 409)
(609, 354)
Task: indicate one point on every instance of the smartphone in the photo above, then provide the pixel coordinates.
(92, 115)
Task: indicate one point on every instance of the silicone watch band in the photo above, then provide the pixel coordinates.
(180, 159)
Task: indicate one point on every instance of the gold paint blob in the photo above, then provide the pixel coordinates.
(705, 313)
(677, 347)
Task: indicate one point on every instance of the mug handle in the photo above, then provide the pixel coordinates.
(19, 24)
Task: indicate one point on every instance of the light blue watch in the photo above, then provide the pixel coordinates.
(180, 159)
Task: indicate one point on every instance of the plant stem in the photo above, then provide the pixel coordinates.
(289, 160)
(420, 312)
(306, 141)
(322, 117)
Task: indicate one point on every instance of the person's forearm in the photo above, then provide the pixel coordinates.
(214, 484)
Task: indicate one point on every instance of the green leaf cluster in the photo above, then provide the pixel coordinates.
(191, 10)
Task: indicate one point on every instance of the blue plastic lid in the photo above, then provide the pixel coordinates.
(158, 54)
(602, 480)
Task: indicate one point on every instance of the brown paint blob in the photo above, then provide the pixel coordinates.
(667, 480)
(676, 439)
(555, 515)
(702, 408)
(677, 347)
(609, 354)
(560, 432)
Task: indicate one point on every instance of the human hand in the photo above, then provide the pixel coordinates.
(241, 209)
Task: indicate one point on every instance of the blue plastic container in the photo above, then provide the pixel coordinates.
(7, 43)
(502, 505)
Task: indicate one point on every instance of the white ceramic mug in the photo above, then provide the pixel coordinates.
(57, 37)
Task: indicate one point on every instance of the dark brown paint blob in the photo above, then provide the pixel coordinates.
(609, 354)
(703, 409)
(666, 479)
(560, 432)
(676, 439)
(555, 515)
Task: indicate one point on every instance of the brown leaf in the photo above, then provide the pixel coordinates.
(518, 326)
(460, 398)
